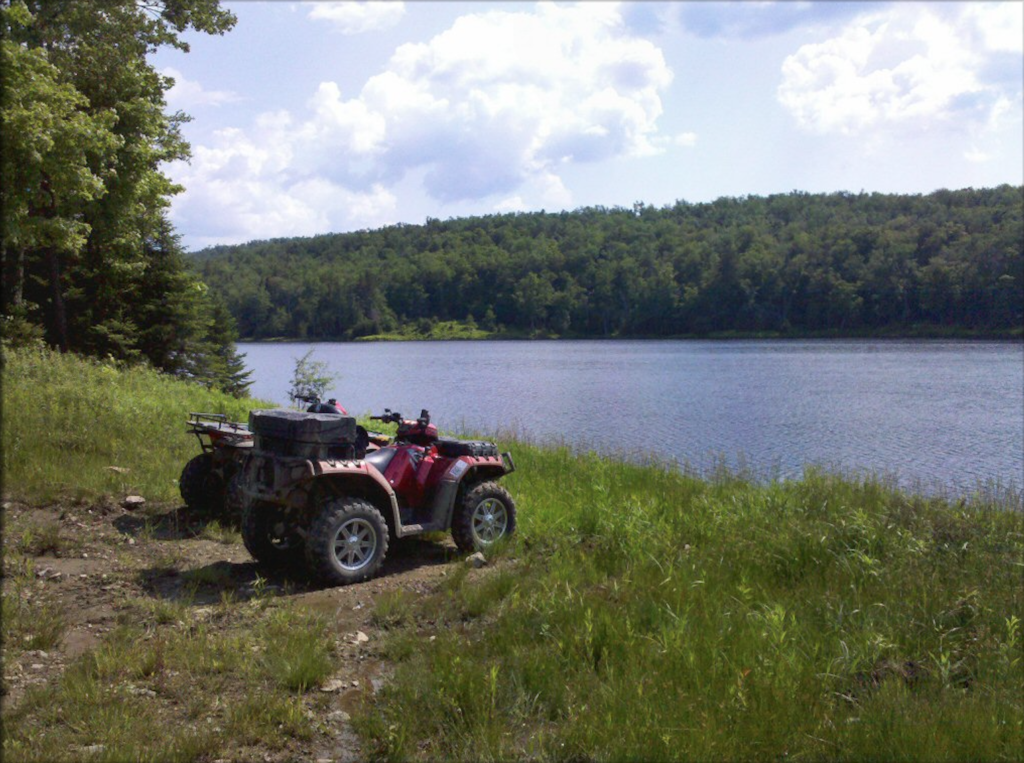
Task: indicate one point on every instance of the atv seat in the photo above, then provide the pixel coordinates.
(380, 458)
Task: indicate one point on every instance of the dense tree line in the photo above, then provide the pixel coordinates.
(90, 262)
(789, 263)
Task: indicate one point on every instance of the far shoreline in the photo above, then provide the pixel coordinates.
(1010, 335)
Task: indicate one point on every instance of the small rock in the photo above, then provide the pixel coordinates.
(118, 469)
(37, 666)
(333, 685)
(476, 561)
(325, 760)
(355, 683)
(360, 638)
(131, 541)
(133, 502)
(94, 748)
(339, 715)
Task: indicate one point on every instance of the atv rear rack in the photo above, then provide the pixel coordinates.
(215, 426)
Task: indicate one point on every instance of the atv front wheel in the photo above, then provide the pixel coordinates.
(201, 488)
(486, 514)
(347, 542)
(269, 535)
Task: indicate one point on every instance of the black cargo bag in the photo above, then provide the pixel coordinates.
(308, 435)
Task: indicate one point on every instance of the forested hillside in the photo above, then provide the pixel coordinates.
(794, 263)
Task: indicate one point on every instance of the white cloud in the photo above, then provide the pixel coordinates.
(245, 188)
(1001, 25)
(492, 107)
(355, 18)
(911, 65)
(187, 94)
(501, 97)
(682, 140)
(976, 155)
(511, 204)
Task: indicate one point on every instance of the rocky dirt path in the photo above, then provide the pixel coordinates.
(92, 563)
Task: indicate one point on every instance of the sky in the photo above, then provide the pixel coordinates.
(320, 117)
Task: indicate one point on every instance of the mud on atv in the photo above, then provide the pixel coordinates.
(313, 495)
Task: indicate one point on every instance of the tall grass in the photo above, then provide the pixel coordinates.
(66, 419)
(656, 616)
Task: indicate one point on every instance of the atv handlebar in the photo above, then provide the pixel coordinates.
(394, 417)
(388, 417)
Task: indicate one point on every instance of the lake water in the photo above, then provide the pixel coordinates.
(933, 414)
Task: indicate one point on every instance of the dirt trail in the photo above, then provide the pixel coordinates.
(108, 557)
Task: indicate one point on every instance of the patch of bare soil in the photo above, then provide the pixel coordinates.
(109, 558)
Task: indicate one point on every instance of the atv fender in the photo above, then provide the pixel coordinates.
(360, 470)
(466, 470)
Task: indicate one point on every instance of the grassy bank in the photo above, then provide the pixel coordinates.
(653, 616)
(640, 613)
(67, 419)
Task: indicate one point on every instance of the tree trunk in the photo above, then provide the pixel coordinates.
(14, 278)
(60, 321)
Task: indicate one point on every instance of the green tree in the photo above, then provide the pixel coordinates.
(310, 379)
(56, 155)
(83, 187)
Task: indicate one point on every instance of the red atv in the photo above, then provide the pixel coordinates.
(204, 479)
(314, 491)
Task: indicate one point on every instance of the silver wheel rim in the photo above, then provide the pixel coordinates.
(355, 544)
(489, 521)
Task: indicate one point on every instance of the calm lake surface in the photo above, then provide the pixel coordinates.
(933, 414)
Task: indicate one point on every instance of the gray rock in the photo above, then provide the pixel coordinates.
(476, 561)
(133, 502)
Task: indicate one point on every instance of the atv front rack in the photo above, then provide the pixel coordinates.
(217, 430)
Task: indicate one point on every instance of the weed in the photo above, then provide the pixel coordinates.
(37, 540)
(298, 650)
(219, 533)
(392, 609)
(29, 624)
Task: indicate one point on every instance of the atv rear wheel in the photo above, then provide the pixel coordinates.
(269, 536)
(347, 542)
(485, 515)
(201, 488)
